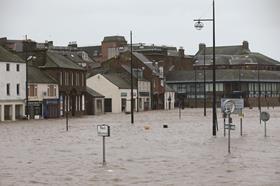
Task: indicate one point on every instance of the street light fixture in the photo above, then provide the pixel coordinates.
(199, 25)
(30, 58)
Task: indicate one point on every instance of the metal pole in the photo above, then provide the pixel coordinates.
(26, 84)
(214, 76)
(241, 127)
(104, 161)
(264, 129)
(66, 120)
(195, 91)
(229, 133)
(224, 126)
(180, 111)
(259, 87)
(204, 81)
(131, 80)
(137, 98)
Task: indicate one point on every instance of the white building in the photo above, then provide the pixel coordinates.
(116, 90)
(12, 86)
(169, 98)
(43, 94)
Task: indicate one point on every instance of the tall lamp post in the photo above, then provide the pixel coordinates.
(131, 81)
(204, 82)
(199, 25)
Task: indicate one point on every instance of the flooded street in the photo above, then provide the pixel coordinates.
(41, 152)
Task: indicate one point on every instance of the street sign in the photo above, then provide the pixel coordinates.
(228, 106)
(265, 116)
(103, 130)
(239, 104)
(232, 127)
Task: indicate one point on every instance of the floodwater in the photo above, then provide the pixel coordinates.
(41, 152)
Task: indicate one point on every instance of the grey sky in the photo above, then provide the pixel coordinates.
(162, 22)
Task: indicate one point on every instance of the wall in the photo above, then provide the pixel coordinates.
(100, 84)
(13, 77)
(41, 88)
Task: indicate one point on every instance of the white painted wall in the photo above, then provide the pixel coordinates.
(41, 89)
(144, 86)
(100, 84)
(13, 77)
(166, 102)
(128, 98)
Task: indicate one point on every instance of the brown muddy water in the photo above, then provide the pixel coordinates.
(41, 152)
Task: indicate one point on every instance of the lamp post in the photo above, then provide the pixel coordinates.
(131, 81)
(137, 90)
(199, 25)
(195, 91)
(204, 82)
(259, 88)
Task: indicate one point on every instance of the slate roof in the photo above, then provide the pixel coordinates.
(93, 51)
(119, 81)
(55, 60)
(225, 50)
(94, 93)
(223, 75)
(232, 55)
(7, 56)
(146, 61)
(35, 75)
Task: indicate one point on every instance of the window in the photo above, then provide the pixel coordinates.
(77, 79)
(66, 78)
(72, 78)
(82, 79)
(17, 67)
(32, 90)
(7, 67)
(61, 78)
(51, 90)
(8, 89)
(18, 89)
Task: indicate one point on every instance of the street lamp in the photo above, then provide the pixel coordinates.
(131, 81)
(27, 59)
(199, 25)
(204, 82)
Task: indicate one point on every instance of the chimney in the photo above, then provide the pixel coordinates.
(201, 46)
(73, 44)
(245, 45)
(181, 52)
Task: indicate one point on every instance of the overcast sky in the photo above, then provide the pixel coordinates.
(162, 22)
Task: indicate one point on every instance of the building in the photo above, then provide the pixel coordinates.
(250, 75)
(43, 94)
(94, 102)
(116, 90)
(12, 86)
(169, 98)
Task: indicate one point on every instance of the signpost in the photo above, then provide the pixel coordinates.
(104, 131)
(239, 105)
(67, 126)
(265, 116)
(228, 107)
